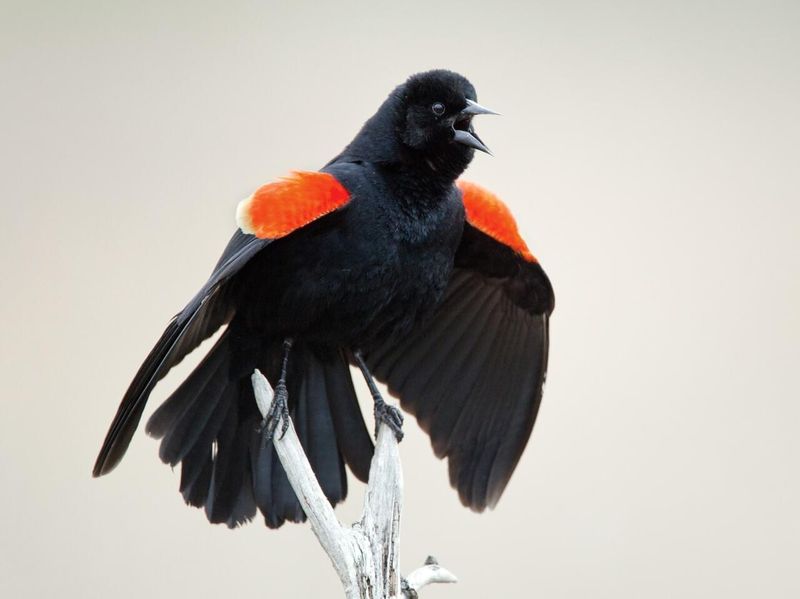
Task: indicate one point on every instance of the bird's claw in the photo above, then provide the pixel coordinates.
(390, 416)
(278, 414)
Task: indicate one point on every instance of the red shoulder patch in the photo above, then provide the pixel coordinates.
(487, 213)
(279, 208)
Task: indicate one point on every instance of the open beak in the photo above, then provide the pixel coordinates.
(462, 127)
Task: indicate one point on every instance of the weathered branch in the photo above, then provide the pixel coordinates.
(429, 573)
(366, 555)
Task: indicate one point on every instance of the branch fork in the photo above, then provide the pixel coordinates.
(365, 555)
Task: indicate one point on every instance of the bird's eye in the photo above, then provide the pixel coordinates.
(438, 108)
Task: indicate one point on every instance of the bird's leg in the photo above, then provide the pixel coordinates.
(279, 411)
(383, 411)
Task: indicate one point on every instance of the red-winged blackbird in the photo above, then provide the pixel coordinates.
(382, 260)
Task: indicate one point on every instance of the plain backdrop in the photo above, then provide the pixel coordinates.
(650, 154)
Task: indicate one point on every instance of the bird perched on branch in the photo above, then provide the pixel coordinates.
(383, 260)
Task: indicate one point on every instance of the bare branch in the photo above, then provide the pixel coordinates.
(430, 573)
(366, 555)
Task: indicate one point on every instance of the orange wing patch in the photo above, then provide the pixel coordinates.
(487, 213)
(276, 209)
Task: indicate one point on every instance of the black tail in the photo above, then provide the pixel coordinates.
(209, 425)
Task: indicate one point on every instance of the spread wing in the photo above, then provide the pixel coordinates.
(473, 374)
(273, 211)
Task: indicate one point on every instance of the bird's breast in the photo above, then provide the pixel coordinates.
(420, 249)
(371, 271)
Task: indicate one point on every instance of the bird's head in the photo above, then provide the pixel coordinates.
(435, 116)
(425, 124)
(437, 111)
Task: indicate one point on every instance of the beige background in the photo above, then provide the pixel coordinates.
(650, 152)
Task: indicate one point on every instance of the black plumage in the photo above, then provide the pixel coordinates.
(452, 319)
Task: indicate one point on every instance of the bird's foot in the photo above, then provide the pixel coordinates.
(390, 416)
(385, 413)
(278, 415)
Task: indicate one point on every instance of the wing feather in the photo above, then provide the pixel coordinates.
(473, 374)
(279, 208)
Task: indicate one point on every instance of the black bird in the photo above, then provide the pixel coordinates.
(382, 260)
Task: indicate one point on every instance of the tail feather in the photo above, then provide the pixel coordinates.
(285, 506)
(228, 501)
(244, 509)
(322, 448)
(198, 463)
(261, 473)
(196, 475)
(187, 393)
(311, 409)
(185, 430)
(354, 440)
(209, 425)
